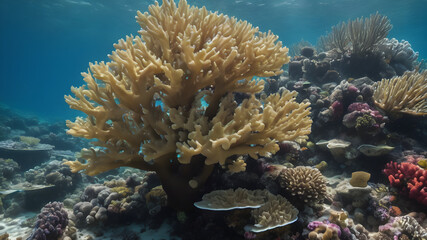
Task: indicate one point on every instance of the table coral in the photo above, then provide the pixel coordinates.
(165, 101)
(269, 211)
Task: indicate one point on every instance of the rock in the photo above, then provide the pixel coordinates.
(337, 147)
(307, 52)
(331, 76)
(374, 151)
(358, 82)
(295, 70)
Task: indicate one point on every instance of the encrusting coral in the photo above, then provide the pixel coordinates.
(404, 94)
(147, 107)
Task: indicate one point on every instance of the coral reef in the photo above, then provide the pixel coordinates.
(118, 200)
(148, 112)
(230, 156)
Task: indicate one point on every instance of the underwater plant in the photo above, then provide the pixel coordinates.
(165, 101)
(358, 36)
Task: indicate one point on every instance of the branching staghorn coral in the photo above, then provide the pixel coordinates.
(358, 36)
(402, 94)
(146, 106)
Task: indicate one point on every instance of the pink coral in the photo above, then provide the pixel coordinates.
(358, 106)
(409, 178)
(337, 109)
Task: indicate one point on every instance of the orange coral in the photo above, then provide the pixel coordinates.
(395, 211)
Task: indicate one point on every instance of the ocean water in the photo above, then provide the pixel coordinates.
(46, 44)
(358, 169)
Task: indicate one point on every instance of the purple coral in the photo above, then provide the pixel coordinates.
(51, 222)
(363, 117)
(382, 214)
(315, 224)
(358, 106)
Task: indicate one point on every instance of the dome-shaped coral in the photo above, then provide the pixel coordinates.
(307, 183)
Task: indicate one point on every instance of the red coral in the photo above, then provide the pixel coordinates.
(409, 178)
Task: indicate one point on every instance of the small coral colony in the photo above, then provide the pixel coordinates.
(328, 145)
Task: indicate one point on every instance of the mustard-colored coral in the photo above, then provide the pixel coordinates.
(360, 179)
(156, 195)
(31, 141)
(122, 191)
(165, 101)
(403, 94)
(238, 165)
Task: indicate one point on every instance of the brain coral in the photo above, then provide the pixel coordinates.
(306, 183)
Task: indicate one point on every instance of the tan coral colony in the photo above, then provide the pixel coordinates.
(164, 102)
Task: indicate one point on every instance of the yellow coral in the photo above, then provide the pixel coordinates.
(122, 191)
(360, 179)
(31, 141)
(402, 94)
(157, 194)
(146, 106)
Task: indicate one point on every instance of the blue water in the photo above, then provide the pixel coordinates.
(45, 44)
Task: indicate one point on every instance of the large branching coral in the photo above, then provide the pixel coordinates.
(406, 94)
(165, 100)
